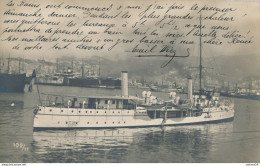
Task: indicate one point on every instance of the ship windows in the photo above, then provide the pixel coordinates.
(79, 111)
(66, 122)
(61, 110)
(113, 102)
(50, 110)
(113, 122)
(96, 122)
(88, 123)
(118, 111)
(106, 101)
(118, 122)
(71, 110)
(113, 112)
(105, 112)
(124, 121)
(105, 122)
(97, 112)
(128, 112)
(90, 111)
(86, 111)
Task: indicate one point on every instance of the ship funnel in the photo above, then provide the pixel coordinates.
(124, 83)
(190, 88)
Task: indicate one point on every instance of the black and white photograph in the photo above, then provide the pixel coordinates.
(138, 81)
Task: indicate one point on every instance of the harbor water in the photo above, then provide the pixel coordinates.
(228, 142)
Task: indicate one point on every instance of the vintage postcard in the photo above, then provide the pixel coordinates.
(138, 81)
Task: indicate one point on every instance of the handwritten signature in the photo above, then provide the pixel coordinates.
(170, 57)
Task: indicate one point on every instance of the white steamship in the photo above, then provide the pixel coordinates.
(129, 111)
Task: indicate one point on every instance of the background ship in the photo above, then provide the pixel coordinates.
(249, 96)
(11, 81)
(70, 78)
(250, 93)
(95, 82)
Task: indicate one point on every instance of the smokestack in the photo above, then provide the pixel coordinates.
(189, 88)
(124, 83)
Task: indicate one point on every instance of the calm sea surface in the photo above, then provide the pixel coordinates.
(236, 141)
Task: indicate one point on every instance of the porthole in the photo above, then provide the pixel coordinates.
(118, 122)
(105, 112)
(113, 112)
(86, 111)
(124, 121)
(50, 110)
(113, 122)
(79, 111)
(118, 111)
(97, 112)
(71, 110)
(90, 111)
(66, 122)
(88, 123)
(96, 122)
(105, 122)
(76, 122)
(61, 110)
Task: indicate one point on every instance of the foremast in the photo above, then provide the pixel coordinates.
(200, 65)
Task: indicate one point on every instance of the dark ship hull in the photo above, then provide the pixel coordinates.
(94, 82)
(249, 97)
(84, 82)
(110, 83)
(12, 82)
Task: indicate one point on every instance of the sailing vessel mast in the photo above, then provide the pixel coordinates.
(200, 66)
(8, 65)
(19, 68)
(57, 65)
(99, 66)
(82, 70)
(0, 64)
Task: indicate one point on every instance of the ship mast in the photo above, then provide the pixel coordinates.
(19, 69)
(72, 64)
(23, 64)
(82, 70)
(99, 66)
(200, 66)
(0, 64)
(8, 65)
(57, 65)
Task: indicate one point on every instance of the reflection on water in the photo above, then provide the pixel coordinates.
(236, 141)
(183, 144)
(82, 145)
